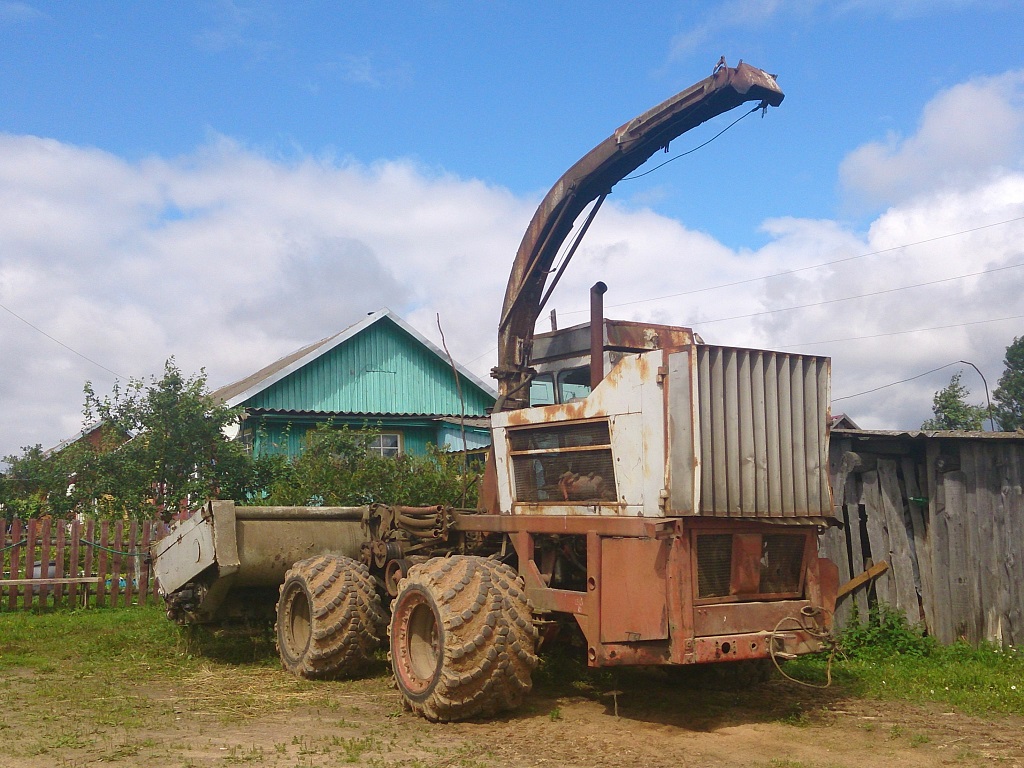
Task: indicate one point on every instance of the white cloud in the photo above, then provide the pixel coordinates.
(227, 260)
(967, 135)
(729, 15)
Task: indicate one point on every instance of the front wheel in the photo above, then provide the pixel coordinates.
(329, 617)
(462, 638)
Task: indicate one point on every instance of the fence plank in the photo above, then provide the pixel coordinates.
(900, 559)
(90, 536)
(1012, 494)
(103, 559)
(963, 585)
(58, 590)
(939, 533)
(853, 511)
(43, 572)
(133, 560)
(30, 556)
(920, 541)
(145, 570)
(4, 544)
(878, 536)
(117, 558)
(73, 562)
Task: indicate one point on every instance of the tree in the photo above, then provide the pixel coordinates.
(161, 446)
(177, 451)
(1009, 393)
(952, 411)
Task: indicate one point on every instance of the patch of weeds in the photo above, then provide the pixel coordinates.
(354, 748)
(895, 732)
(242, 756)
(918, 739)
(555, 714)
(796, 718)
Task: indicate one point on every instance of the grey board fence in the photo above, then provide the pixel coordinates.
(945, 511)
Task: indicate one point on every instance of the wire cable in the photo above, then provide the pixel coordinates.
(819, 265)
(861, 295)
(691, 151)
(900, 333)
(61, 343)
(893, 384)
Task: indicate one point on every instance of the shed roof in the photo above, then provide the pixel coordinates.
(919, 434)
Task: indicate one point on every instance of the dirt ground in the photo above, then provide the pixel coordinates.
(662, 720)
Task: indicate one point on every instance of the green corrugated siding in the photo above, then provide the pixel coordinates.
(279, 434)
(381, 370)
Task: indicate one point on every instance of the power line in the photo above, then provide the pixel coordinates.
(862, 295)
(61, 343)
(771, 275)
(901, 333)
(893, 384)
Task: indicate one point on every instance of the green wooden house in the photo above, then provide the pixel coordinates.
(379, 373)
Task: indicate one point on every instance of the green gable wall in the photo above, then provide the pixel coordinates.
(380, 370)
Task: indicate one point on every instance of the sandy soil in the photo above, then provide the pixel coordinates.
(662, 720)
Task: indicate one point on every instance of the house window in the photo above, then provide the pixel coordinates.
(386, 444)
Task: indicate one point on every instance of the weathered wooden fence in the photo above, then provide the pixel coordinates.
(48, 562)
(946, 513)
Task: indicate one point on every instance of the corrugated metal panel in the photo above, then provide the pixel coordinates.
(763, 433)
(381, 370)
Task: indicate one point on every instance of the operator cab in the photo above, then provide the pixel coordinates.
(562, 358)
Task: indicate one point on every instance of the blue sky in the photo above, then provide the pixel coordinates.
(226, 181)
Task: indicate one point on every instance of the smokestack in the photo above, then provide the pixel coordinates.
(597, 333)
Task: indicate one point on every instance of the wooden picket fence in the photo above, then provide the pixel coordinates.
(51, 563)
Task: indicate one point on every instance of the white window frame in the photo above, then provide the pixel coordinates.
(377, 445)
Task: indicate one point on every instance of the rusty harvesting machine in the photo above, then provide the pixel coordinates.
(662, 494)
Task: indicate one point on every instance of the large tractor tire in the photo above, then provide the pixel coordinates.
(329, 617)
(462, 638)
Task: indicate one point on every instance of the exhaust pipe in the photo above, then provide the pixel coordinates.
(597, 293)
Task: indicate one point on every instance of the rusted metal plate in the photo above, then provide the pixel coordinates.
(606, 526)
(753, 645)
(634, 590)
(735, 618)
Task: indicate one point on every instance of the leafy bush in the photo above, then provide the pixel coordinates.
(338, 469)
(885, 633)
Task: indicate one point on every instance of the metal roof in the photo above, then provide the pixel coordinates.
(918, 434)
(244, 389)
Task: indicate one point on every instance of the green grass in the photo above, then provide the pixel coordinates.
(887, 659)
(98, 677)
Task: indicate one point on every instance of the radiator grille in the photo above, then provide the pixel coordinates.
(781, 561)
(714, 564)
(568, 463)
(781, 565)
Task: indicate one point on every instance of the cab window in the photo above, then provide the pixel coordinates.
(542, 389)
(573, 383)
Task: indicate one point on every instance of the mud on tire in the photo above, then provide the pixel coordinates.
(462, 638)
(329, 617)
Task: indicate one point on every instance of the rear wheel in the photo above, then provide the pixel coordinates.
(462, 638)
(329, 617)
